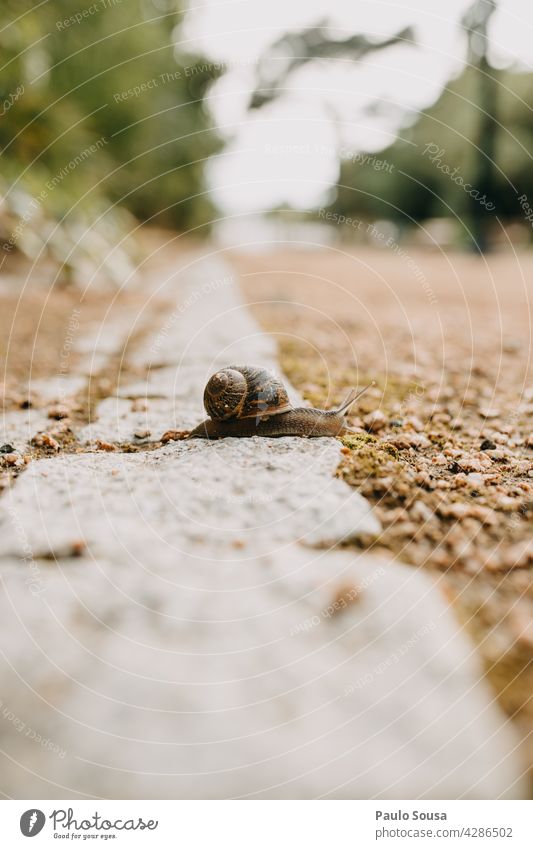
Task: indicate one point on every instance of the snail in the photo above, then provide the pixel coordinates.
(251, 401)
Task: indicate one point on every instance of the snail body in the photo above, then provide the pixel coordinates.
(244, 401)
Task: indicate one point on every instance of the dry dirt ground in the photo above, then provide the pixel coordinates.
(443, 447)
(41, 320)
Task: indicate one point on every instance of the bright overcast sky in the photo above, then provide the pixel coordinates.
(329, 103)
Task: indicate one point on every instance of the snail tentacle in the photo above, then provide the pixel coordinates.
(352, 397)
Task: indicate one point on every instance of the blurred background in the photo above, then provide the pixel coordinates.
(244, 119)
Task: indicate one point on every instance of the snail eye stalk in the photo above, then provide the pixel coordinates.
(352, 397)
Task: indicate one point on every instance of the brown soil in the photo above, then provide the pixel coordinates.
(36, 323)
(443, 447)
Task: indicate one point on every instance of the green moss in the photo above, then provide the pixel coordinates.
(375, 448)
(369, 458)
(357, 440)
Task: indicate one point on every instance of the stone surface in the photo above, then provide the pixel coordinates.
(168, 630)
(158, 674)
(58, 388)
(18, 427)
(118, 421)
(258, 493)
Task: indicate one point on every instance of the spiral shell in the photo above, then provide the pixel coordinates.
(245, 392)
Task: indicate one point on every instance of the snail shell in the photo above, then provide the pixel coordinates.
(245, 392)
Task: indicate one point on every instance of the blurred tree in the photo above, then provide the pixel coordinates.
(476, 22)
(108, 73)
(416, 184)
(296, 49)
(463, 157)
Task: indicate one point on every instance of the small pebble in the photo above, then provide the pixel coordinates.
(421, 512)
(58, 412)
(415, 424)
(174, 435)
(14, 460)
(375, 421)
(78, 547)
(345, 596)
(410, 440)
(499, 455)
(44, 440)
(458, 510)
(105, 446)
(474, 464)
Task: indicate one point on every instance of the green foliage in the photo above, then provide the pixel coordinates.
(415, 188)
(112, 77)
(316, 42)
